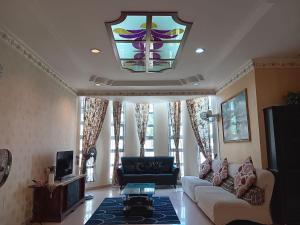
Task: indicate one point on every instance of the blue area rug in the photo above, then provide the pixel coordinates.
(110, 211)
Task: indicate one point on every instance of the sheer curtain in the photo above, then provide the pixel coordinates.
(195, 108)
(95, 111)
(175, 116)
(141, 115)
(117, 111)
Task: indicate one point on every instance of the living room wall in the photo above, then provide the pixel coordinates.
(237, 152)
(272, 87)
(38, 116)
(266, 86)
(161, 139)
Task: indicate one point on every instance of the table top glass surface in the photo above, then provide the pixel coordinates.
(139, 189)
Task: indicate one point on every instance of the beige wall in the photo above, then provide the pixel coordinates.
(37, 118)
(239, 151)
(272, 87)
(266, 87)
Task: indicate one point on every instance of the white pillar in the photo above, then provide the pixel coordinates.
(190, 147)
(161, 129)
(131, 137)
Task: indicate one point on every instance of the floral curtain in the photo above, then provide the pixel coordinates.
(95, 110)
(141, 115)
(195, 108)
(117, 111)
(175, 116)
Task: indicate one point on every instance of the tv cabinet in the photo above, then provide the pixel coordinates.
(54, 203)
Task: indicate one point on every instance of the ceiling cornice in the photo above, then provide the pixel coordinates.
(279, 63)
(260, 63)
(242, 71)
(15, 43)
(148, 93)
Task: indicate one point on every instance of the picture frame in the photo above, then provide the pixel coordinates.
(235, 118)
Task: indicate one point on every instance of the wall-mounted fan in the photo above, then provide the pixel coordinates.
(209, 116)
(5, 165)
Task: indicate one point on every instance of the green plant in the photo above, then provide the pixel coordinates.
(293, 98)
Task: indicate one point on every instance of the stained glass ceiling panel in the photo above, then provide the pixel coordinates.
(166, 28)
(159, 66)
(144, 42)
(134, 65)
(163, 50)
(132, 28)
(131, 50)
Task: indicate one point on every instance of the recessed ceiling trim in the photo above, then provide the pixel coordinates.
(148, 93)
(154, 46)
(102, 81)
(12, 41)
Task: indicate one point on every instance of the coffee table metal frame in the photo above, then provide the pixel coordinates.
(138, 199)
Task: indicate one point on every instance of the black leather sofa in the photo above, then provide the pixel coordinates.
(159, 170)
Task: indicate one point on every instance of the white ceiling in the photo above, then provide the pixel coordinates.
(233, 31)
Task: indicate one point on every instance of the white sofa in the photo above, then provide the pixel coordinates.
(223, 207)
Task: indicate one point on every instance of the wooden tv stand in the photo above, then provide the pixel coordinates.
(54, 203)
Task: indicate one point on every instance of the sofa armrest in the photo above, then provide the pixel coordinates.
(175, 171)
(120, 173)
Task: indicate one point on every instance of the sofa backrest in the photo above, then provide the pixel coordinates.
(147, 165)
(265, 179)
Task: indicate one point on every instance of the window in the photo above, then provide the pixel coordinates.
(149, 142)
(90, 164)
(112, 141)
(172, 144)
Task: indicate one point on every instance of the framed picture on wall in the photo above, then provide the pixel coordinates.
(235, 118)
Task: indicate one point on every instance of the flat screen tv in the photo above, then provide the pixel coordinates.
(64, 164)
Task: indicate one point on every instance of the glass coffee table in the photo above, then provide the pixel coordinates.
(138, 199)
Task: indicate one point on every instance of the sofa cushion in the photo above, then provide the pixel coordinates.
(149, 178)
(244, 178)
(164, 164)
(209, 177)
(219, 205)
(190, 182)
(205, 167)
(223, 207)
(255, 196)
(148, 165)
(228, 185)
(221, 173)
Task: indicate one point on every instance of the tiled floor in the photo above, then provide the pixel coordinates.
(187, 211)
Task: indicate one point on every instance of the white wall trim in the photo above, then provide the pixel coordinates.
(15, 43)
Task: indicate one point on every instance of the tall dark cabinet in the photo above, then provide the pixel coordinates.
(282, 125)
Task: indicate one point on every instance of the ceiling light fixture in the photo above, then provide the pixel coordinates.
(148, 41)
(95, 50)
(199, 50)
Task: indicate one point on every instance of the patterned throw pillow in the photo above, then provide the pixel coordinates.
(209, 176)
(255, 196)
(244, 178)
(221, 173)
(205, 167)
(228, 184)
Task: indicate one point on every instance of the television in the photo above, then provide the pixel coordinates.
(64, 164)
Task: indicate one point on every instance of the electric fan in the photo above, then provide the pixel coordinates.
(5, 165)
(207, 115)
(92, 152)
